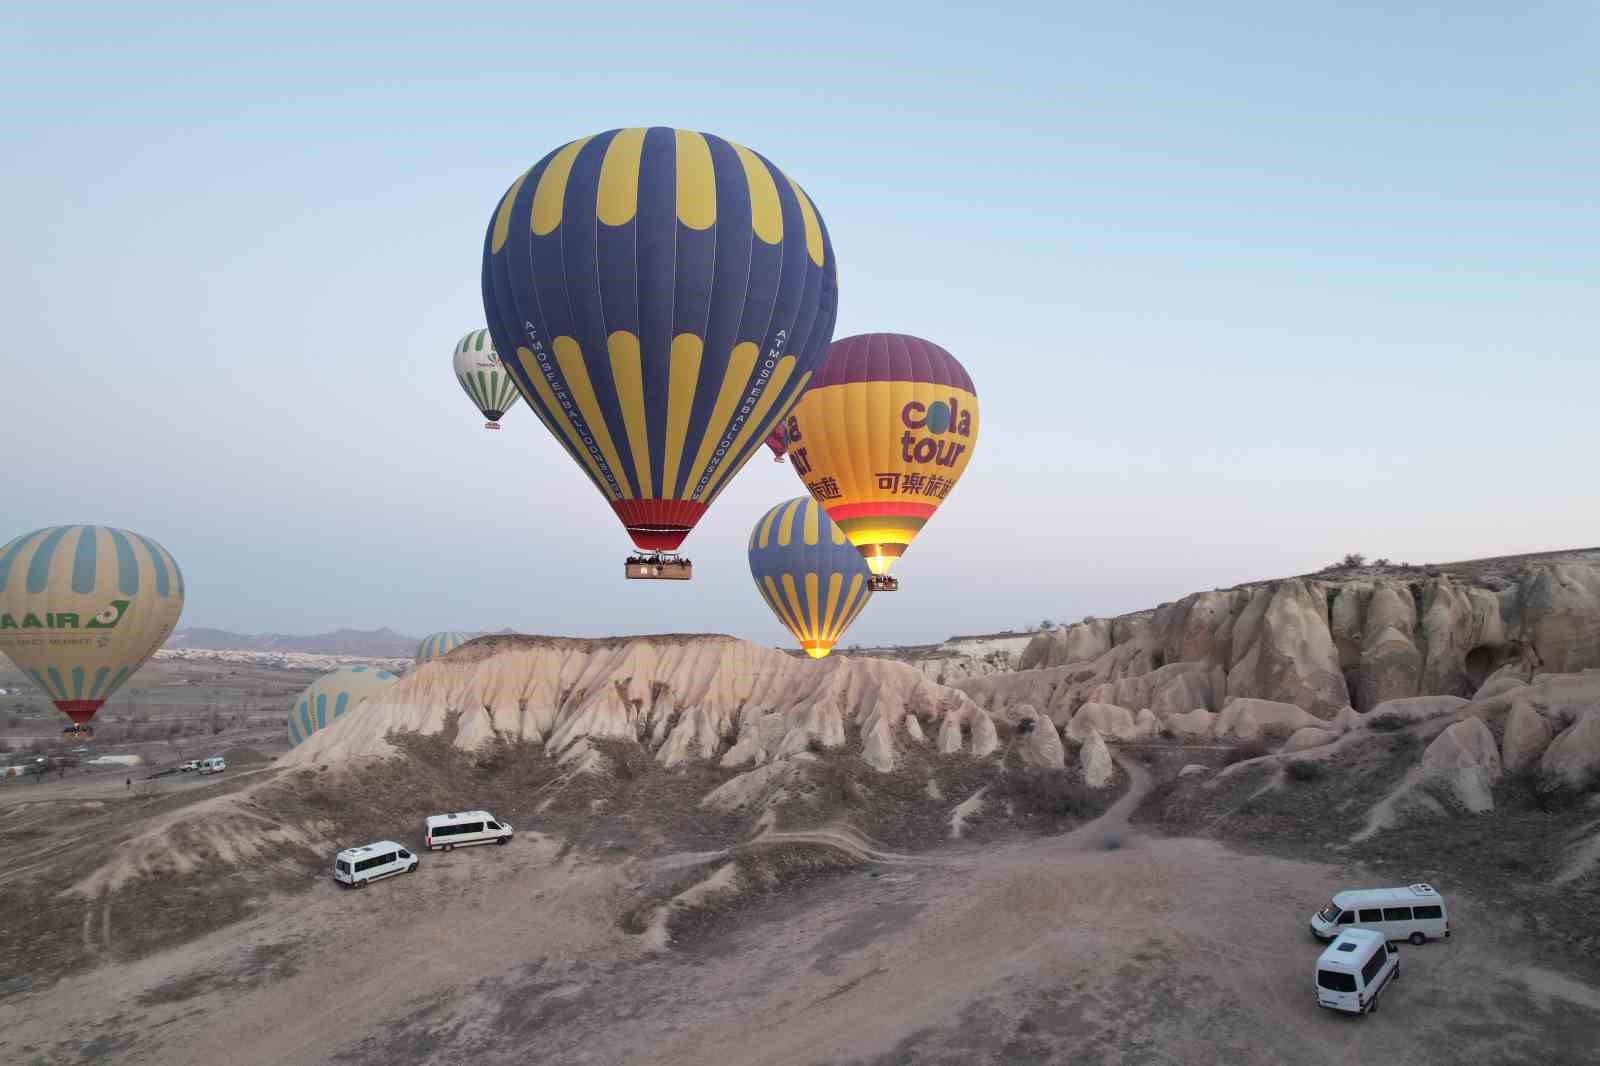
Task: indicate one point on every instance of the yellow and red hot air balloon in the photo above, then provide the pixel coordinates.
(880, 437)
(661, 297)
(82, 608)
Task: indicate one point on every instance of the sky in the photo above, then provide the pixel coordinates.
(1241, 290)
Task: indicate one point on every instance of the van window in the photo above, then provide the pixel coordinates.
(1334, 981)
(492, 825)
(1373, 915)
(1397, 914)
(444, 830)
(1423, 914)
(1347, 918)
(404, 854)
(1374, 966)
(384, 860)
(342, 866)
(471, 827)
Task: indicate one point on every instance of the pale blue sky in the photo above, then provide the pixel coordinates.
(1240, 291)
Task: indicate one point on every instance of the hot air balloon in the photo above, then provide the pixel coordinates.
(881, 437)
(810, 575)
(661, 297)
(333, 696)
(778, 441)
(82, 608)
(485, 380)
(438, 645)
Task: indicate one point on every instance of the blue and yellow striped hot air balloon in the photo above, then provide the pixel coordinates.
(809, 573)
(662, 297)
(83, 607)
(483, 378)
(333, 696)
(438, 645)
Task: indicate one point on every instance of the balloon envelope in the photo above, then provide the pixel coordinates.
(881, 436)
(83, 607)
(483, 378)
(661, 297)
(333, 696)
(438, 645)
(778, 441)
(810, 575)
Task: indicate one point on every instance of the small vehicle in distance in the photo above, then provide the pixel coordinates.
(213, 765)
(450, 831)
(1353, 971)
(355, 867)
(192, 764)
(1416, 913)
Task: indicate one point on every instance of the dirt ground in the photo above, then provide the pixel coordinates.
(1106, 944)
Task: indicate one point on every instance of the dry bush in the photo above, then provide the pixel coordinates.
(1304, 771)
(1250, 749)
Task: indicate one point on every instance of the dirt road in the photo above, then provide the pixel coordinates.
(1096, 947)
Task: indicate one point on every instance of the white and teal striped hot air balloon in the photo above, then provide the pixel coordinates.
(332, 696)
(486, 382)
(438, 645)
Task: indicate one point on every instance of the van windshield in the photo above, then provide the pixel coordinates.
(1334, 981)
(1329, 913)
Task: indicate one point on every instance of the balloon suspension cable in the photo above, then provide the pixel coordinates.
(657, 566)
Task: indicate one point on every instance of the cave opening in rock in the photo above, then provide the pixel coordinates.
(1481, 662)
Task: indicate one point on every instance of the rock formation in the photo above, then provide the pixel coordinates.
(682, 697)
(1094, 762)
(1465, 759)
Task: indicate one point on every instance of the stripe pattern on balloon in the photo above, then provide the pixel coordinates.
(809, 574)
(483, 377)
(662, 297)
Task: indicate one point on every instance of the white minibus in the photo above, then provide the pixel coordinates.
(1354, 971)
(356, 866)
(1415, 913)
(213, 765)
(449, 831)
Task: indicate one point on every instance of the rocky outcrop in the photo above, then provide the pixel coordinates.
(1247, 719)
(1320, 643)
(1527, 735)
(682, 697)
(1198, 724)
(1104, 719)
(1572, 761)
(1094, 762)
(1041, 745)
(1395, 713)
(1308, 737)
(1464, 758)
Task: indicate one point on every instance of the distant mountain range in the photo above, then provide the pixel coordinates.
(373, 643)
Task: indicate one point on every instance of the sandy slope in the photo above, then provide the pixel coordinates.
(1056, 950)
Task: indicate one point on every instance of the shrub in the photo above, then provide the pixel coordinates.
(1353, 560)
(1404, 742)
(1388, 723)
(1304, 771)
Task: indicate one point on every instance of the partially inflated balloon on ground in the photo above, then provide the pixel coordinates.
(83, 607)
(809, 574)
(881, 437)
(661, 297)
(438, 645)
(332, 696)
(483, 378)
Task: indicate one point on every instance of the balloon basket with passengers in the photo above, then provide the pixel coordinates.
(658, 566)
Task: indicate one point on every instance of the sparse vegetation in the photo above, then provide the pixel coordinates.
(1251, 749)
(1304, 771)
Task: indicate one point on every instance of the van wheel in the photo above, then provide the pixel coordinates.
(361, 884)
(502, 840)
(1374, 1008)
(449, 847)
(1417, 939)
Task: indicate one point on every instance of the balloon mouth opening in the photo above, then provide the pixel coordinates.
(658, 525)
(80, 711)
(817, 649)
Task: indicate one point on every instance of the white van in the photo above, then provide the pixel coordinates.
(213, 765)
(356, 866)
(1415, 913)
(1355, 969)
(192, 764)
(449, 831)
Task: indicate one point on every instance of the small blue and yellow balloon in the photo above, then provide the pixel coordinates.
(809, 573)
(332, 696)
(438, 645)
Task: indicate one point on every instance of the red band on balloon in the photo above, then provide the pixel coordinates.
(80, 711)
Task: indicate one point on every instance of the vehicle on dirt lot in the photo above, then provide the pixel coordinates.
(192, 764)
(1354, 970)
(450, 831)
(372, 862)
(1415, 913)
(213, 765)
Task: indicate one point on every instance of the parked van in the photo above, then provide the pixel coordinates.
(1355, 969)
(192, 764)
(1415, 913)
(213, 765)
(449, 831)
(356, 866)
